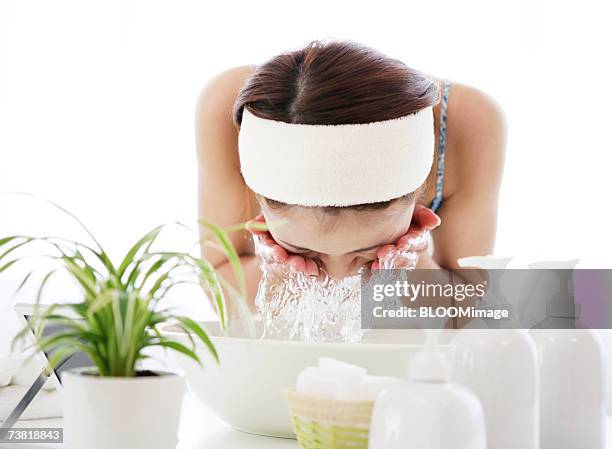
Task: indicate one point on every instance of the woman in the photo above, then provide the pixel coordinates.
(331, 83)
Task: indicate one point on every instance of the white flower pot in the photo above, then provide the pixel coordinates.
(121, 412)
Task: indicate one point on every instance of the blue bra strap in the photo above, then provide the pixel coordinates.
(437, 201)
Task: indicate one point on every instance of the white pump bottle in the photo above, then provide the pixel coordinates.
(427, 412)
(572, 389)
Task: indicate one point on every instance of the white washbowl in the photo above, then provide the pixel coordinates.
(245, 389)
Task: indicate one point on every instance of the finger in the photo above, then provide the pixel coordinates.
(418, 207)
(312, 269)
(297, 263)
(268, 249)
(265, 251)
(267, 239)
(375, 265)
(280, 253)
(413, 241)
(384, 250)
(417, 228)
(425, 219)
(406, 260)
(417, 246)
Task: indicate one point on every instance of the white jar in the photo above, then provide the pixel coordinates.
(427, 412)
(500, 367)
(572, 389)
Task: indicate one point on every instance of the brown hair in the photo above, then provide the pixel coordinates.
(335, 82)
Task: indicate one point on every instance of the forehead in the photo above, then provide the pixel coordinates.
(339, 233)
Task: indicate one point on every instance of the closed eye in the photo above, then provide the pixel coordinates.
(367, 251)
(368, 255)
(299, 250)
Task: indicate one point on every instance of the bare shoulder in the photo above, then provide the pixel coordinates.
(215, 130)
(217, 96)
(476, 135)
(473, 111)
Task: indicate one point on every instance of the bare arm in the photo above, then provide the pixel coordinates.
(475, 165)
(474, 172)
(223, 198)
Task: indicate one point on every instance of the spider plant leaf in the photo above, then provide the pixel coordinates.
(74, 326)
(86, 267)
(101, 300)
(23, 282)
(230, 252)
(64, 352)
(5, 240)
(101, 254)
(166, 276)
(20, 336)
(51, 342)
(190, 325)
(163, 292)
(78, 308)
(179, 347)
(42, 285)
(255, 226)
(61, 354)
(130, 332)
(118, 321)
(155, 268)
(15, 247)
(135, 270)
(65, 211)
(147, 239)
(8, 265)
(81, 276)
(210, 280)
(112, 324)
(39, 320)
(243, 309)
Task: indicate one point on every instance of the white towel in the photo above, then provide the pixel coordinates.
(15, 369)
(340, 380)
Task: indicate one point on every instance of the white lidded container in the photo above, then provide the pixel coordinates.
(572, 366)
(500, 367)
(427, 411)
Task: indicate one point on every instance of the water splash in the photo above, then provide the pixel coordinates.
(296, 306)
(408, 255)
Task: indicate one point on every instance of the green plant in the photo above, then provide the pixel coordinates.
(118, 316)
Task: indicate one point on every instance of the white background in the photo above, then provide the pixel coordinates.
(97, 102)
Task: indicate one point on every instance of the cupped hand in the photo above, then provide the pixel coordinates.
(272, 252)
(414, 241)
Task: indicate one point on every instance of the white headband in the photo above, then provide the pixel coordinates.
(336, 165)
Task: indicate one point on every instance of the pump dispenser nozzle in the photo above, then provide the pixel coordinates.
(430, 364)
(561, 304)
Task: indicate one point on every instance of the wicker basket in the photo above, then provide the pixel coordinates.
(321, 423)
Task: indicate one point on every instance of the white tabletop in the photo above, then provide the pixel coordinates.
(199, 429)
